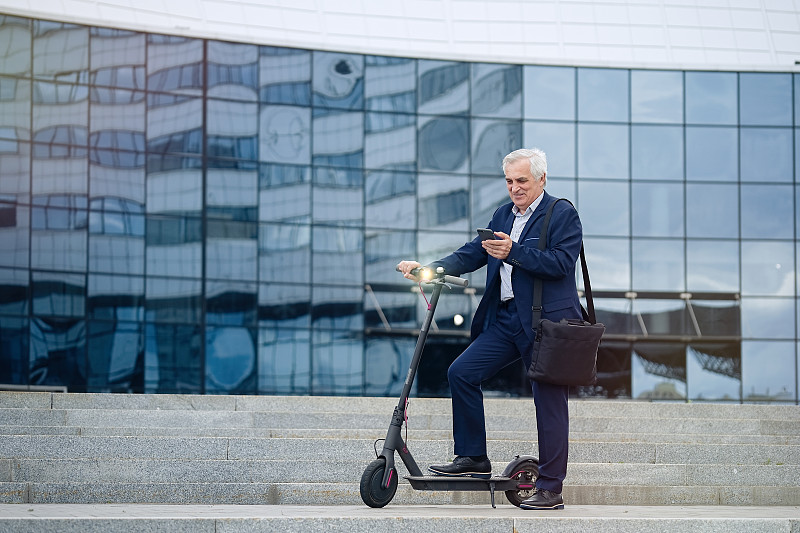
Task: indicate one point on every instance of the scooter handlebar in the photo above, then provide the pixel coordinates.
(461, 282)
(427, 274)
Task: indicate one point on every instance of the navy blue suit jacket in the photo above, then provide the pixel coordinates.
(554, 265)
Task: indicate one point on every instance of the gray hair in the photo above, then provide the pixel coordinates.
(537, 158)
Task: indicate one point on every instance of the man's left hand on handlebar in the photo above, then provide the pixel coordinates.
(406, 267)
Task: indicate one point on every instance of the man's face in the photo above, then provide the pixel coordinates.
(522, 187)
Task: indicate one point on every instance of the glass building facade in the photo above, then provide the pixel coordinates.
(186, 215)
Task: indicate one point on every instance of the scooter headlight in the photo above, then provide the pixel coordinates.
(425, 274)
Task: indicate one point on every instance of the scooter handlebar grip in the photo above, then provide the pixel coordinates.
(461, 282)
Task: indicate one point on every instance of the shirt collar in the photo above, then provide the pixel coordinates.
(531, 208)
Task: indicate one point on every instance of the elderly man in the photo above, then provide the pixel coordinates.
(502, 330)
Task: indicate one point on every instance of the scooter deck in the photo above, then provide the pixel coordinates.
(466, 483)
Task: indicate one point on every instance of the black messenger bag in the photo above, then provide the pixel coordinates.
(565, 352)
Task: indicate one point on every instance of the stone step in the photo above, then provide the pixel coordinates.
(285, 420)
(325, 471)
(408, 518)
(133, 447)
(339, 494)
(384, 406)
(418, 434)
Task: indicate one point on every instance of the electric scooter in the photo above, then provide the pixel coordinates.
(379, 480)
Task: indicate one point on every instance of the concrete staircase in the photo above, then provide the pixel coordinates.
(58, 448)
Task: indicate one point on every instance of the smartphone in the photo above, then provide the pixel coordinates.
(486, 234)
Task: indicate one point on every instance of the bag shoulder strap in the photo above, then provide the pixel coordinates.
(589, 315)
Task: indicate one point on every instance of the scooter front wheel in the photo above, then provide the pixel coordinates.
(372, 492)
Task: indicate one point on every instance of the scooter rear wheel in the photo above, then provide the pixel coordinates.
(526, 474)
(371, 491)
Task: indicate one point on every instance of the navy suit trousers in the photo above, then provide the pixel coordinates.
(501, 344)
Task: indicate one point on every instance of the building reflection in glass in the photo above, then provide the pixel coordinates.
(196, 216)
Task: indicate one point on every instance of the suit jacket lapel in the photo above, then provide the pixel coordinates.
(541, 209)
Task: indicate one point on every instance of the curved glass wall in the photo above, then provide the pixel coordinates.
(196, 216)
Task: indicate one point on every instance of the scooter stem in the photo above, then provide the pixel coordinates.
(394, 440)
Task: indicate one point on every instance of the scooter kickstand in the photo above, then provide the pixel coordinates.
(491, 490)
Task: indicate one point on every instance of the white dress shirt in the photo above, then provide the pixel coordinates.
(520, 219)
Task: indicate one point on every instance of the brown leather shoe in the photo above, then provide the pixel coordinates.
(543, 500)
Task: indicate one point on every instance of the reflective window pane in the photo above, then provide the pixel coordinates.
(711, 98)
(173, 300)
(766, 154)
(174, 65)
(15, 102)
(15, 32)
(487, 195)
(557, 139)
(173, 363)
(60, 51)
(284, 193)
(604, 208)
(58, 294)
(284, 305)
(14, 350)
(712, 154)
(336, 193)
(337, 256)
(338, 80)
(390, 84)
(602, 151)
(383, 250)
(714, 372)
(387, 365)
(232, 71)
(765, 99)
(390, 141)
(443, 202)
(442, 87)
(657, 152)
(496, 90)
(603, 95)
(768, 268)
(14, 292)
(337, 365)
(284, 76)
(711, 210)
(549, 92)
(115, 297)
(656, 96)
(763, 371)
(658, 372)
(767, 211)
(768, 318)
(115, 360)
(338, 139)
(443, 144)
(284, 361)
(712, 266)
(14, 232)
(609, 263)
(232, 130)
(658, 265)
(284, 253)
(390, 196)
(58, 353)
(657, 209)
(285, 134)
(491, 141)
(230, 360)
